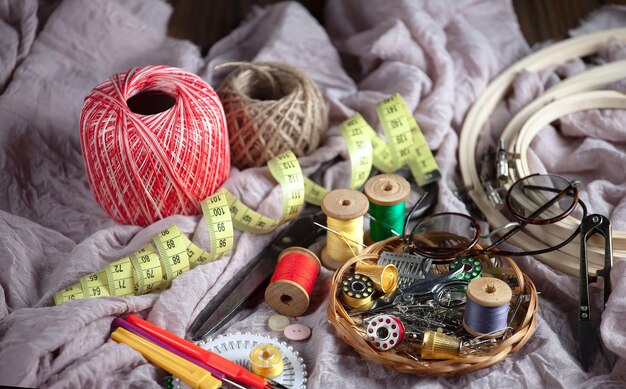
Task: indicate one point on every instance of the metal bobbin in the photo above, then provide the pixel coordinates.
(385, 332)
(472, 268)
(266, 361)
(356, 290)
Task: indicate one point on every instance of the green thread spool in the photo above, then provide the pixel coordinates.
(386, 194)
(387, 220)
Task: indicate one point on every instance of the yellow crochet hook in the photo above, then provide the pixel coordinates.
(191, 374)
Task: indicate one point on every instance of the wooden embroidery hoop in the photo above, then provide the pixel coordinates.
(480, 112)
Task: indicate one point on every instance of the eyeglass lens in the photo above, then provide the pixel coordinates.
(541, 199)
(444, 235)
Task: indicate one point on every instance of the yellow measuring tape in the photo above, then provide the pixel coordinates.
(406, 141)
(405, 145)
(286, 170)
(150, 268)
(171, 253)
(357, 135)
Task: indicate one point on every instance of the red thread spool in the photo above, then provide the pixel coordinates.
(291, 285)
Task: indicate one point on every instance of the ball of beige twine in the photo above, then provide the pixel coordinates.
(271, 108)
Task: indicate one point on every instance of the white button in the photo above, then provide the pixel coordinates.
(278, 322)
(297, 332)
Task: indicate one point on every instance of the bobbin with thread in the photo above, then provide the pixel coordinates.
(344, 209)
(357, 291)
(291, 285)
(266, 361)
(487, 307)
(384, 276)
(386, 194)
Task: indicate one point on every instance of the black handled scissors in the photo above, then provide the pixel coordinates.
(587, 333)
(230, 300)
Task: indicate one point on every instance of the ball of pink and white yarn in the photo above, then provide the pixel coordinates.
(154, 142)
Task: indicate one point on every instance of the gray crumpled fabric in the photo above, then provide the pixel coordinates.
(438, 55)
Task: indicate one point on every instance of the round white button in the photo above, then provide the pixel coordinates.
(278, 322)
(297, 332)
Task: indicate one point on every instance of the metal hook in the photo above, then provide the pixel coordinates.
(497, 230)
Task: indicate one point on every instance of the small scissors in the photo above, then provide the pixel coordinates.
(587, 333)
(441, 289)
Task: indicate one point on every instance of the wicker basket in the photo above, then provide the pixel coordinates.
(346, 327)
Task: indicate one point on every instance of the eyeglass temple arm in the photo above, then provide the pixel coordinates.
(553, 248)
(538, 212)
(408, 219)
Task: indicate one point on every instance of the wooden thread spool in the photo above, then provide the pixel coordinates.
(344, 209)
(487, 307)
(266, 361)
(386, 194)
(292, 283)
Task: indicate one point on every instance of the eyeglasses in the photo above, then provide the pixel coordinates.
(536, 199)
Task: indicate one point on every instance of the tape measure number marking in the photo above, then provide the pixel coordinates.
(73, 292)
(357, 135)
(148, 268)
(170, 244)
(286, 171)
(220, 226)
(119, 274)
(95, 284)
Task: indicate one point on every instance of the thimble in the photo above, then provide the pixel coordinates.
(384, 277)
(437, 345)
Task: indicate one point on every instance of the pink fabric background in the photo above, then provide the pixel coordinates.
(438, 55)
